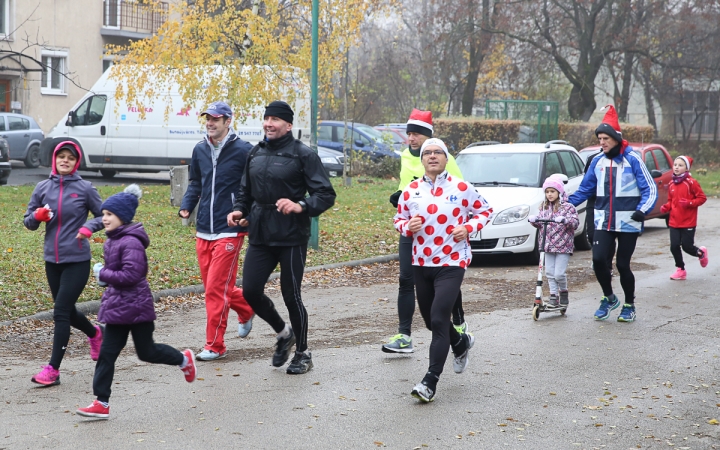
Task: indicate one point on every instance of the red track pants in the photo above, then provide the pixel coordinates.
(218, 261)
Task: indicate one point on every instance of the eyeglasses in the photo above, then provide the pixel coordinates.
(434, 152)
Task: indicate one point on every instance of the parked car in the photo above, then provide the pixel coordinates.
(510, 177)
(397, 136)
(659, 163)
(23, 135)
(332, 161)
(394, 126)
(5, 166)
(364, 139)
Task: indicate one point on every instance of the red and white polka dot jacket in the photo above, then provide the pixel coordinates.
(442, 206)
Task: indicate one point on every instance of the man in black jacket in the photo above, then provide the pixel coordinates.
(271, 201)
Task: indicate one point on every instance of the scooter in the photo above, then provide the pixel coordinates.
(539, 305)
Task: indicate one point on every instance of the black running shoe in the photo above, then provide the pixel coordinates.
(300, 364)
(282, 350)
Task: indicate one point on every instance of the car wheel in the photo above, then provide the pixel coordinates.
(108, 173)
(533, 258)
(32, 160)
(581, 241)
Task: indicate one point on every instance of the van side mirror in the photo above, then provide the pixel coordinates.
(359, 143)
(69, 121)
(655, 173)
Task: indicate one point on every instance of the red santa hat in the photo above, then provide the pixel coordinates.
(687, 160)
(420, 122)
(610, 124)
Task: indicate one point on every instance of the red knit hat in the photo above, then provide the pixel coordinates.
(420, 122)
(687, 160)
(610, 124)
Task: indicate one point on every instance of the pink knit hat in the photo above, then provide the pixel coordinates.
(555, 183)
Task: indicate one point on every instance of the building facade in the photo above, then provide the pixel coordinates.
(52, 51)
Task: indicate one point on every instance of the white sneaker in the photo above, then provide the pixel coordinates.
(461, 361)
(423, 393)
(245, 328)
(209, 355)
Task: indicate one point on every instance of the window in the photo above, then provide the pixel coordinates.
(2, 124)
(107, 63)
(650, 161)
(552, 164)
(359, 137)
(18, 123)
(52, 80)
(324, 133)
(570, 169)
(4, 17)
(663, 164)
(91, 111)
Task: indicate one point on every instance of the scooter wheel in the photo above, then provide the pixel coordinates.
(536, 312)
(562, 311)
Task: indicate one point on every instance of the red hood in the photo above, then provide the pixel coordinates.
(66, 144)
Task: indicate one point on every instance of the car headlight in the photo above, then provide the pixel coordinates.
(329, 160)
(510, 215)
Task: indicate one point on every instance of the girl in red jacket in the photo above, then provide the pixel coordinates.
(684, 197)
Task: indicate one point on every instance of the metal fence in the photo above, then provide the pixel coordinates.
(539, 117)
(134, 16)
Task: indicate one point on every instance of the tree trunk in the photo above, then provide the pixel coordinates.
(581, 104)
(626, 82)
(649, 105)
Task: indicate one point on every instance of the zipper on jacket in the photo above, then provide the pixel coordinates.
(59, 214)
(212, 190)
(610, 210)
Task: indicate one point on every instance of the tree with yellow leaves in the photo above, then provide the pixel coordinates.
(244, 52)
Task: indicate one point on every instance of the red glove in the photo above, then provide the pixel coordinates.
(43, 214)
(664, 208)
(684, 203)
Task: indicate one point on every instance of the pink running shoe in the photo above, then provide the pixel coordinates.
(680, 274)
(189, 370)
(704, 257)
(96, 343)
(48, 376)
(96, 409)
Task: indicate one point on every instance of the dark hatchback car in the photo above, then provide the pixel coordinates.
(332, 161)
(5, 167)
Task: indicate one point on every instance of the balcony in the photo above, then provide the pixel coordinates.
(132, 19)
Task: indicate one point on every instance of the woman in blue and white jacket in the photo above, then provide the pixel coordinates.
(625, 192)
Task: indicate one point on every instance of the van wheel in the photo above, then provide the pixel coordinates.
(32, 160)
(108, 173)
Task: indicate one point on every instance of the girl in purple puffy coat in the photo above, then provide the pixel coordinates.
(127, 304)
(560, 237)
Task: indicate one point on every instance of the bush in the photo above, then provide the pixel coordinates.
(458, 133)
(582, 134)
(362, 165)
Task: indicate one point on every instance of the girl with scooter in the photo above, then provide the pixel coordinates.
(556, 237)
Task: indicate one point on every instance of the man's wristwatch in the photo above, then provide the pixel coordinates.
(303, 205)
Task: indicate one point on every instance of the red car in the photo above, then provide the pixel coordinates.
(659, 163)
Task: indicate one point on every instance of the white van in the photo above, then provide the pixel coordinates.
(114, 139)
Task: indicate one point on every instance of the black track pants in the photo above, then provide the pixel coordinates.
(603, 249)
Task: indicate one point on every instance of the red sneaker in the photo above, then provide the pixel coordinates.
(704, 257)
(96, 343)
(96, 409)
(48, 376)
(189, 370)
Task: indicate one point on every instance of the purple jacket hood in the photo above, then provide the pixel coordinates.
(127, 299)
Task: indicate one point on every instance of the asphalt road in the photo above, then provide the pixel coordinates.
(21, 175)
(559, 383)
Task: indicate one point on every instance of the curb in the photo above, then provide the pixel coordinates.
(92, 307)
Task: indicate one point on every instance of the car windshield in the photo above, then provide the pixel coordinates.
(372, 132)
(396, 138)
(501, 169)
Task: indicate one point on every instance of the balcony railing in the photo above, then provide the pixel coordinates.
(133, 19)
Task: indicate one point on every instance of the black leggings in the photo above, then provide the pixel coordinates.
(115, 339)
(603, 250)
(67, 282)
(682, 238)
(260, 261)
(406, 291)
(437, 287)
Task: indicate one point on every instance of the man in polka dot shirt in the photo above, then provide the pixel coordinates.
(439, 212)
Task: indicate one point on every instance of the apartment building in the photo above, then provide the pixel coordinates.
(52, 51)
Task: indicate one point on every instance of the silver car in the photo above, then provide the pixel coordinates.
(23, 136)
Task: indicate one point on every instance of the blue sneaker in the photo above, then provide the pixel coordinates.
(628, 313)
(607, 304)
(245, 328)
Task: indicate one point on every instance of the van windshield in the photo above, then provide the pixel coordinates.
(500, 168)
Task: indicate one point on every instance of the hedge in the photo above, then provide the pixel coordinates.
(458, 133)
